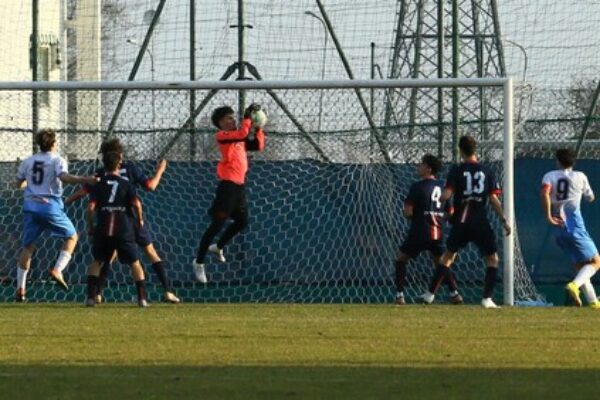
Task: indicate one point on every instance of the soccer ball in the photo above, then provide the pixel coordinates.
(259, 118)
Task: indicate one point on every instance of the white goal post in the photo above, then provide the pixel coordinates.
(505, 84)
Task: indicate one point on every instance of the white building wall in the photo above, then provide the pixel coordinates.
(15, 107)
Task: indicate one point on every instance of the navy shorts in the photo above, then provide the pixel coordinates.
(143, 236)
(105, 246)
(413, 246)
(479, 233)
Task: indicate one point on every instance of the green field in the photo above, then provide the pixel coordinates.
(66, 351)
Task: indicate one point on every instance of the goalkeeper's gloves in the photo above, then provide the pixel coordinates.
(250, 109)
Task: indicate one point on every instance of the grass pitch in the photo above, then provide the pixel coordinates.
(66, 351)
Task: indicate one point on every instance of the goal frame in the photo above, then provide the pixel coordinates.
(508, 130)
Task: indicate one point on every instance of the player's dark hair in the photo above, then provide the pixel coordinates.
(432, 162)
(112, 145)
(566, 157)
(45, 139)
(111, 160)
(467, 145)
(219, 113)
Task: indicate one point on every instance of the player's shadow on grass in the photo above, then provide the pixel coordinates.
(258, 382)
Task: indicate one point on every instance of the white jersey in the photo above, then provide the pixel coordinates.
(566, 189)
(41, 171)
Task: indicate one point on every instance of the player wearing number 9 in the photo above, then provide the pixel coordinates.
(561, 194)
(42, 176)
(472, 185)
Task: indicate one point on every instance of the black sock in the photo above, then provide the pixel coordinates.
(102, 278)
(438, 277)
(140, 286)
(490, 282)
(400, 276)
(451, 281)
(92, 286)
(159, 269)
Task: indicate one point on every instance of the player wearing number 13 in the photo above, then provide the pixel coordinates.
(562, 190)
(471, 184)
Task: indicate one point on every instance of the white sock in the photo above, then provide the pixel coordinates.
(589, 292)
(21, 277)
(399, 294)
(584, 274)
(63, 260)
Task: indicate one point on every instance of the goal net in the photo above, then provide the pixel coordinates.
(325, 196)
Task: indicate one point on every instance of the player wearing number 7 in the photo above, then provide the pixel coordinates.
(42, 176)
(561, 194)
(472, 185)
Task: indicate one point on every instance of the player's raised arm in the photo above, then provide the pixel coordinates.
(153, 182)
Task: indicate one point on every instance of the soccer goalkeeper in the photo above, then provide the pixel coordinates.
(230, 197)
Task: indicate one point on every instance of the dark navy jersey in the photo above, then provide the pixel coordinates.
(128, 171)
(425, 196)
(471, 184)
(113, 196)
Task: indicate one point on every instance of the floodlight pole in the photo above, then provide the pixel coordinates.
(34, 68)
(192, 78)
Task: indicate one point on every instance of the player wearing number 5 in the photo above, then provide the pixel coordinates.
(472, 185)
(561, 194)
(42, 176)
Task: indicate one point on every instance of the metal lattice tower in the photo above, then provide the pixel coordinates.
(442, 39)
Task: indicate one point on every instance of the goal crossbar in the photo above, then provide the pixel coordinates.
(255, 85)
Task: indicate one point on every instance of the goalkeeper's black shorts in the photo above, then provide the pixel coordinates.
(229, 202)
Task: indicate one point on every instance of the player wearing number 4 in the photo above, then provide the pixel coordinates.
(427, 212)
(471, 184)
(230, 198)
(42, 176)
(562, 190)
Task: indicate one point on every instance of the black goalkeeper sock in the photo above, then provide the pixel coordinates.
(159, 269)
(400, 276)
(438, 277)
(490, 282)
(92, 286)
(140, 287)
